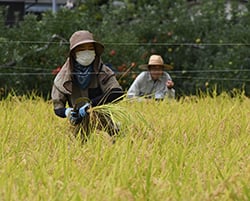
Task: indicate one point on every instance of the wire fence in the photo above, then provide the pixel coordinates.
(37, 71)
(174, 75)
(65, 42)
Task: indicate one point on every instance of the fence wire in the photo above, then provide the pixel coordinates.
(174, 73)
(65, 42)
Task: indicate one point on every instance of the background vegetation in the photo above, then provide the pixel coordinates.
(207, 46)
(193, 149)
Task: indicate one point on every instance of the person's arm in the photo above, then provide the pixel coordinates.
(61, 112)
(59, 102)
(134, 89)
(110, 87)
(170, 93)
(111, 95)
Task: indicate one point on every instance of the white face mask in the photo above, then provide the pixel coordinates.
(85, 57)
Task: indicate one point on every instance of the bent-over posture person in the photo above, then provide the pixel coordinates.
(84, 75)
(154, 82)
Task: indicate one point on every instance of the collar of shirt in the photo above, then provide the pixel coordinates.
(150, 78)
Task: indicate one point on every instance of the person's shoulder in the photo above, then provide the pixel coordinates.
(108, 68)
(144, 73)
(166, 74)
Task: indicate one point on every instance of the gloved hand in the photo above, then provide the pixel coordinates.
(73, 116)
(83, 110)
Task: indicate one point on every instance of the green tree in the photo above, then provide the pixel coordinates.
(206, 46)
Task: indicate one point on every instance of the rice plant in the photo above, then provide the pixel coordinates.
(196, 148)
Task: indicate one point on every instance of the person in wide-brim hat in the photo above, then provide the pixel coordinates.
(84, 81)
(155, 60)
(154, 82)
(83, 37)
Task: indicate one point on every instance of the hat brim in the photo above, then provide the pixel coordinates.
(165, 66)
(99, 47)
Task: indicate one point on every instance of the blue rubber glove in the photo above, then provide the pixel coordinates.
(83, 110)
(73, 116)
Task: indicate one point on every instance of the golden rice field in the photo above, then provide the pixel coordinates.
(194, 149)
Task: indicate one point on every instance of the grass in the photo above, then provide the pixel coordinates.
(191, 149)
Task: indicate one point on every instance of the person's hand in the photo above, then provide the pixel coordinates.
(73, 116)
(83, 110)
(170, 84)
(159, 96)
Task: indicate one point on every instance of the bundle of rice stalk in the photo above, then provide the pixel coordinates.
(107, 117)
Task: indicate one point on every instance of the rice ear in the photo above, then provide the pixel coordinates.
(105, 117)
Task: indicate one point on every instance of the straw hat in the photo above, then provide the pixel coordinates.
(155, 60)
(82, 37)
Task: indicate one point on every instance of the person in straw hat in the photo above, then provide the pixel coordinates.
(154, 82)
(83, 75)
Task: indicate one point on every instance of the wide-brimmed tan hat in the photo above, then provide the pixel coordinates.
(155, 60)
(82, 37)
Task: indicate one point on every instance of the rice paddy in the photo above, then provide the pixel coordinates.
(191, 149)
